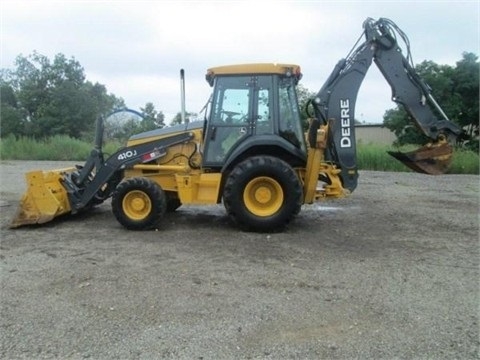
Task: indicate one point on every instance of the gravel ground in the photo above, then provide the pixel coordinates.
(392, 272)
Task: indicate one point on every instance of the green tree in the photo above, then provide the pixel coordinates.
(12, 121)
(398, 121)
(303, 96)
(456, 89)
(177, 119)
(466, 85)
(52, 98)
(152, 119)
(124, 123)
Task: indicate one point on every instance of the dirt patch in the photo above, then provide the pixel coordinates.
(390, 272)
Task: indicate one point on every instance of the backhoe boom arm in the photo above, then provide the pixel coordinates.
(335, 102)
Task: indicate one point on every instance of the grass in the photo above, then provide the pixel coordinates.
(57, 148)
(375, 157)
(465, 162)
(63, 148)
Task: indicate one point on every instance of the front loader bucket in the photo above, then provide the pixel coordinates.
(45, 198)
(432, 159)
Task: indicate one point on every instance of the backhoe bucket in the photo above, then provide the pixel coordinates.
(432, 159)
(45, 198)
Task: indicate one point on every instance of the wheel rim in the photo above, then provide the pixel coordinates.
(137, 205)
(263, 196)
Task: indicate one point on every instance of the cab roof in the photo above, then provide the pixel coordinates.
(254, 69)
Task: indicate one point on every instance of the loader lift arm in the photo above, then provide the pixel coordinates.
(97, 178)
(87, 185)
(82, 193)
(335, 103)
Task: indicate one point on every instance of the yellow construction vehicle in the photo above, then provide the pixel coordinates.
(250, 152)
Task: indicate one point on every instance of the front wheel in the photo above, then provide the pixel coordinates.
(263, 193)
(139, 204)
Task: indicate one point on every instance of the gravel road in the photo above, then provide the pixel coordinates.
(392, 272)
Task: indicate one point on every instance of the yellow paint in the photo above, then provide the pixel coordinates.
(44, 199)
(198, 188)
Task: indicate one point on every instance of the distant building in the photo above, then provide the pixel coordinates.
(374, 134)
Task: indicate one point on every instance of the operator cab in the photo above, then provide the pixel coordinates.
(252, 99)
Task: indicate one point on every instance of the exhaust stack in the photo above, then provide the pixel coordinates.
(182, 95)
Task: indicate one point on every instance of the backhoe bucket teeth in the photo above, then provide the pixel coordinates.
(44, 200)
(432, 159)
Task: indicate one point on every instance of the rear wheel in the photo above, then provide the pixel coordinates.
(263, 193)
(139, 204)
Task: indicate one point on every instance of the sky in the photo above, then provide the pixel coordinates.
(137, 48)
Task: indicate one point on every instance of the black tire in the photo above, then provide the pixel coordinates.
(139, 204)
(263, 194)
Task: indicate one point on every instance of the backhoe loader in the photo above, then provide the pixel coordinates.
(251, 151)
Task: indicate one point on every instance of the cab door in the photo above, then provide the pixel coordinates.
(239, 104)
(230, 118)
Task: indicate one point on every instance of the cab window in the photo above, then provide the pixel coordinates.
(290, 125)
